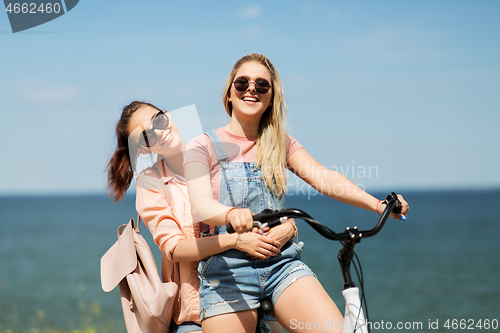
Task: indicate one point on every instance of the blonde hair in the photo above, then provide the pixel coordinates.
(272, 137)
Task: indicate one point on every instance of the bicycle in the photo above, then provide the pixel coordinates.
(354, 316)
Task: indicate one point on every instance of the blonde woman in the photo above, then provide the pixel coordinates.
(237, 171)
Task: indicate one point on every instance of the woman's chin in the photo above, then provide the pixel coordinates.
(170, 148)
(251, 110)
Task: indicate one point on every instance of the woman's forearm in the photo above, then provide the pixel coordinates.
(208, 210)
(195, 249)
(338, 187)
(283, 232)
(205, 207)
(257, 246)
(328, 182)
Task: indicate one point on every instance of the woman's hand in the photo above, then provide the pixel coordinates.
(257, 246)
(282, 233)
(404, 209)
(240, 219)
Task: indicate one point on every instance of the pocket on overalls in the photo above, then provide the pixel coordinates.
(246, 192)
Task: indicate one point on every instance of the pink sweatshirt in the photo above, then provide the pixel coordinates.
(163, 204)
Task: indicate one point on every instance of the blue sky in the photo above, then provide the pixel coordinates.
(394, 94)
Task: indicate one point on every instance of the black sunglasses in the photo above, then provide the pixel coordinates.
(160, 122)
(261, 85)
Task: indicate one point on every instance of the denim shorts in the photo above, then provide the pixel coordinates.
(232, 282)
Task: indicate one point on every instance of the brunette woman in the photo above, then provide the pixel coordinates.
(162, 203)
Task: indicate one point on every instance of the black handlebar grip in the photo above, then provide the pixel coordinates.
(265, 215)
(398, 207)
(229, 228)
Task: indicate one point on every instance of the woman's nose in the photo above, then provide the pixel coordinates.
(159, 132)
(249, 86)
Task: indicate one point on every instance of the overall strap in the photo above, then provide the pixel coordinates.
(222, 156)
(217, 144)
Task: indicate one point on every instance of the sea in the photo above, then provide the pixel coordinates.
(438, 271)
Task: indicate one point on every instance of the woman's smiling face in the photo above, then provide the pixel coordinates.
(250, 102)
(166, 139)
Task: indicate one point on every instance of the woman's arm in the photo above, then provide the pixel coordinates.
(156, 211)
(207, 209)
(256, 245)
(283, 232)
(334, 184)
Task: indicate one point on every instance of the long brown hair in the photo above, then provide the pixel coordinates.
(271, 139)
(121, 166)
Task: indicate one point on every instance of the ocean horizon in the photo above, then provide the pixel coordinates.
(440, 265)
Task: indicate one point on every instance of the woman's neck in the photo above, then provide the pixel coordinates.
(175, 160)
(243, 128)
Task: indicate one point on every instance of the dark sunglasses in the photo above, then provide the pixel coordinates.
(148, 137)
(261, 85)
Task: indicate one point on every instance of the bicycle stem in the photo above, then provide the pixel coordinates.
(352, 237)
(345, 256)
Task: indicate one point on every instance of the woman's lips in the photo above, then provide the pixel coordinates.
(250, 99)
(166, 138)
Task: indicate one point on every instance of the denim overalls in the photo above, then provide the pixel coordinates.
(231, 281)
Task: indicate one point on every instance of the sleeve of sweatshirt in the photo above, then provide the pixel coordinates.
(156, 211)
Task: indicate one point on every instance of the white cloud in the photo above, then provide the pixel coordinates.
(252, 11)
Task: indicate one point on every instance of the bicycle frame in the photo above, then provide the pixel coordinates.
(354, 317)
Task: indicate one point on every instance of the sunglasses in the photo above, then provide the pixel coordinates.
(148, 137)
(261, 85)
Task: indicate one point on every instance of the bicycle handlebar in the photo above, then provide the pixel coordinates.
(266, 218)
(271, 218)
